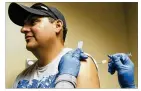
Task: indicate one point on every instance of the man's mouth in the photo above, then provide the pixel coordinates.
(28, 37)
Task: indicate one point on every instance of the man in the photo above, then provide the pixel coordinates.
(45, 32)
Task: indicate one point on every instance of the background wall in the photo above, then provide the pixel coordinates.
(131, 20)
(105, 28)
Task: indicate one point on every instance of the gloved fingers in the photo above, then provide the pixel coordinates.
(119, 55)
(124, 58)
(69, 52)
(116, 61)
(83, 56)
(77, 53)
(111, 68)
(110, 56)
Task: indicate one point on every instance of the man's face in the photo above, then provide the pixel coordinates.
(39, 32)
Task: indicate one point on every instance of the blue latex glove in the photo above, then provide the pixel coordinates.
(121, 63)
(70, 62)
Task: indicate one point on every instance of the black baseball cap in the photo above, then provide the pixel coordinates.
(18, 13)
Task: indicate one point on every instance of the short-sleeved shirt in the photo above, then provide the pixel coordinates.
(40, 77)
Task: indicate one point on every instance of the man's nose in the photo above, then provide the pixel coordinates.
(25, 28)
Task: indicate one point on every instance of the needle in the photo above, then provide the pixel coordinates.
(106, 61)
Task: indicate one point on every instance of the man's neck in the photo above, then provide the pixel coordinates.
(46, 55)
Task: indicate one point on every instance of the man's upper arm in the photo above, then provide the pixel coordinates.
(88, 75)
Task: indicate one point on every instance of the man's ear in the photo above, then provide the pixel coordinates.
(58, 25)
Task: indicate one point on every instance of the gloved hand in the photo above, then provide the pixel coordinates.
(121, 63)
(70, 62)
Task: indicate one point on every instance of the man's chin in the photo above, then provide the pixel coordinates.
(30, 48)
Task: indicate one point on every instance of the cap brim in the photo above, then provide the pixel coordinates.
(18, 13)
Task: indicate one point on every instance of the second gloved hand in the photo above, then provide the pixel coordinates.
(70, 62)
(121, 63)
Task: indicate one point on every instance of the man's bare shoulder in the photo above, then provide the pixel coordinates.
(88, 75)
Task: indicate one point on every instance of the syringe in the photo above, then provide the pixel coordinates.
(106, 61)
(80, 44)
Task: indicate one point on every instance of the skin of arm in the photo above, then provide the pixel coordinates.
(88, 75)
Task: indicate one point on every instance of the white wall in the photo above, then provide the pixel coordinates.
(101, 26)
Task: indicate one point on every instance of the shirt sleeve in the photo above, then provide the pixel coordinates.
(64, 84)
(65, 81)
(16, 82)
